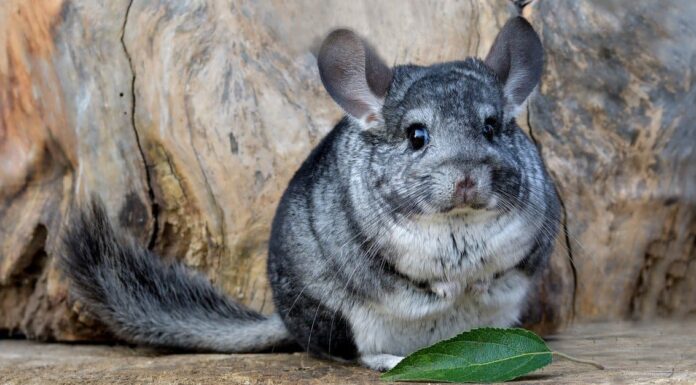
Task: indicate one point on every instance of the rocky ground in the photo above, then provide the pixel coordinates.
(655, 353)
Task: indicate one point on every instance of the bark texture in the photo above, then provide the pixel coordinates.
(616, 123)
(188, 119)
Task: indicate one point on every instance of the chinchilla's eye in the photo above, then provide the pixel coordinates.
(490, 127)
(418, 135)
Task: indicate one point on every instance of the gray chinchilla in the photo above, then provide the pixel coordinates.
(425, 212)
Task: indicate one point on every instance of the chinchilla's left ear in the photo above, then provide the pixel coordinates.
(517, 57)
(354, 75)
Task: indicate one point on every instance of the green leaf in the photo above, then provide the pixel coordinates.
(479, 355)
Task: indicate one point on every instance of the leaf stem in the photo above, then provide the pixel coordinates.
(578, 360)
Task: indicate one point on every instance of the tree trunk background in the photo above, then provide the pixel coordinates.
(188, 119)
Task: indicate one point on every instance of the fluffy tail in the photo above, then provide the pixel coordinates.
(144, 300)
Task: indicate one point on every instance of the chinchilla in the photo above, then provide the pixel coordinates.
(425, 212)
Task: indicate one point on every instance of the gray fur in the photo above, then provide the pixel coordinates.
(145, 300)
(375, 251)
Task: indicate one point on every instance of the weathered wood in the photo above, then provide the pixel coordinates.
(656, 353)
(616, 123)
(65, 97)
(188, 119)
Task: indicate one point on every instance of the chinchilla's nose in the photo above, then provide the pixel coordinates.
(465, 190)
(469, 191)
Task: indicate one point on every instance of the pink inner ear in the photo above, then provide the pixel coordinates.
(353, 74)
(371, 118)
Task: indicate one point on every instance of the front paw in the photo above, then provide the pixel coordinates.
(380, 362)
(445, 289)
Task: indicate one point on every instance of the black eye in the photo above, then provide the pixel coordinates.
(490, 127)
(418, 135)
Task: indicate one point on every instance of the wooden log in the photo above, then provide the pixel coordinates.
(616, 125)
(189, 118)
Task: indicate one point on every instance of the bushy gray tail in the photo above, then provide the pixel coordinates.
(144, 300)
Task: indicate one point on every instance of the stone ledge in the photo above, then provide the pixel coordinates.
(660, 352)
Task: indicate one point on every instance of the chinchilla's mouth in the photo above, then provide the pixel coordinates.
(470, 209)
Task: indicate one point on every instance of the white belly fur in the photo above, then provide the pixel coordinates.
(405, 321)
(377, 331)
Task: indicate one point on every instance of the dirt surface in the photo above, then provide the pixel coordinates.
(650, 353)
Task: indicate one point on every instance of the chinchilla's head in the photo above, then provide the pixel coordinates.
(441, 138)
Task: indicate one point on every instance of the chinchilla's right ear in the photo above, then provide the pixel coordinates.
(517, 56)
(354, 75)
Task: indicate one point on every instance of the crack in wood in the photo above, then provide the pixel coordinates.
(154, 208)
(564, 222)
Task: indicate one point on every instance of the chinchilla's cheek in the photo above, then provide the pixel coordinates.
(440, 197)
(487, 186)
(506, 183)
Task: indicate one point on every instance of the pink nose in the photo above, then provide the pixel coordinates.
(464, 190)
